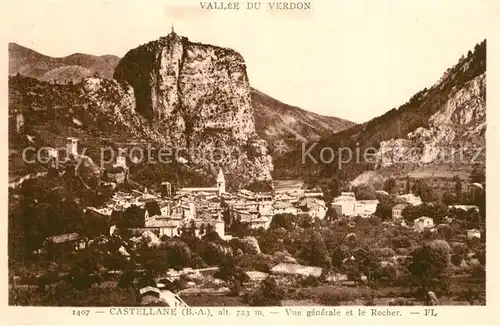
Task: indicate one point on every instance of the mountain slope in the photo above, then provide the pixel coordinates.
(198, 96)
(208, 110)
(274, 120)
(449, 114)
(74, 67)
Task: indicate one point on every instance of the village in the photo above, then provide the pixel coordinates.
(151, 217)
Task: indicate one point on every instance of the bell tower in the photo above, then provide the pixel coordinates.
(221, 182)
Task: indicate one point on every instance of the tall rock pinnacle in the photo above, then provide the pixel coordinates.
(197, 94)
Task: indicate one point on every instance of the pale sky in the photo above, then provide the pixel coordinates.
(352, 59)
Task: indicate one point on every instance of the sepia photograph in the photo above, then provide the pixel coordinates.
(247, 154)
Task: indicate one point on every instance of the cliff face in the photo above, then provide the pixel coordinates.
(275, 121)
(456, 134)
(198, 96)
(442, 126)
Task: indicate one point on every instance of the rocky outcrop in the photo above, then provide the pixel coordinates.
(455, 135)
(114, 103)
(198, 96)
(275, 122)
(87, 170)
(449, 114)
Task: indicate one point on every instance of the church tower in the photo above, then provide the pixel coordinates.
(221, 182)
(72, 146)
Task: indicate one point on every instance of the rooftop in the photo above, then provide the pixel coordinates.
(285, 268)
(63, 238)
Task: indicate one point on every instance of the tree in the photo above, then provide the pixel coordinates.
(367, 261)
(239, 229)
(331, 214)
(332, 188)
(228, 271)
(191, 230)
(447, 232)
(271, 241)
(314, 251)
(260, 186)
(364, 192)
(387, 273)
(458, 186)
(211, 235)
(226, 216)
(131, 217)
(472, 296)
(473, 219)
(442, 246)
(478, 272)
(212, 254)
(422, 189)
(154, 259)
(269, 293)
(384, 208)
(428, 266)
(456, 259)
(481, 256)
(438, 211)
(235, 289)
(390, 184)
(479, 199)
(304, 221)
(410, 213)
(467, 197)
(408, 185)
(477, 174)
(338, 255)
(282, 221)
(448, 198)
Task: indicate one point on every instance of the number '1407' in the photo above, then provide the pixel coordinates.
(81, 312)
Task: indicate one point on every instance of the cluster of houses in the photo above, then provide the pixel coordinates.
(427, 223)
(202, 208)
(169, 216)
(347, 205)
(424, 222)
(258, 209)
(195, 209)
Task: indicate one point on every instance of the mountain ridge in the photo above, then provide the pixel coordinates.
(275, 120)
(419, 122)
(34, 64)
(292, 123)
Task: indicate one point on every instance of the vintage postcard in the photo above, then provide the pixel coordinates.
(251, 161)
